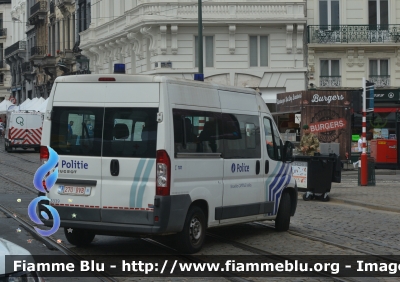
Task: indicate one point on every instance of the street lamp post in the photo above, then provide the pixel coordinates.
(200, 76)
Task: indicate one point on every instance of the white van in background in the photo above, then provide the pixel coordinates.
(163, 156)
(23, 130)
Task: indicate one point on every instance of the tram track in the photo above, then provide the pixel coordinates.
(18, 157)
(194, 259)
(270, 255)
(324, 241)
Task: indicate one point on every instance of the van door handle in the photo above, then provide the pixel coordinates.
(114, 167)
(257, 167)
(266, 166)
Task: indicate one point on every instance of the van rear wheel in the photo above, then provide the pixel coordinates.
(190, 240)
(282, 220)
(79, 237)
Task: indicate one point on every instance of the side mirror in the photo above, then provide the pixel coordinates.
(287, 154)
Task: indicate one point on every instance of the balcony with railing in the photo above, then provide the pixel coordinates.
(3, 32)
(38, 12)
(380, 80)
(329, 34)
(17, 46)
(330, 81)
(38, 51)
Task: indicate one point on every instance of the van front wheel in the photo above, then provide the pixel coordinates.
(282, 220)
(190, 240)
(79, 237)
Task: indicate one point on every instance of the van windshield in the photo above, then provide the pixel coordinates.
(109, 132)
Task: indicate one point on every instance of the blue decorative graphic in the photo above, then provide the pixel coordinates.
(49, 169)
(233, 168)
(44, 169)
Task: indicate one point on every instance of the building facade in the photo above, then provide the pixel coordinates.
(11, 39)
(45, 44)
(351, 39)
(258, 45)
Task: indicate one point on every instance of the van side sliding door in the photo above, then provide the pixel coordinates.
(276, 173)
(243, 179)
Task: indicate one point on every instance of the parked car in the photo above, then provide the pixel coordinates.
(8, 248)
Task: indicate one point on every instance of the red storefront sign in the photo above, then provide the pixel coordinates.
(328, 125)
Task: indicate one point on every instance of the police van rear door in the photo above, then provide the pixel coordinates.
(77, 192)
(129, 153)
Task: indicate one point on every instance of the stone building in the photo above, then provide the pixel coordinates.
(248, 44)
(14, 17)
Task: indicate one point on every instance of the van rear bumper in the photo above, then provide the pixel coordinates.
(170, 212)
(111, 228)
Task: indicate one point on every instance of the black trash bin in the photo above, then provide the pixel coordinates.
(371, 172)
(322, 170)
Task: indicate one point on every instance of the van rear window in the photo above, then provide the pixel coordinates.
(77, 130)
(107, 132)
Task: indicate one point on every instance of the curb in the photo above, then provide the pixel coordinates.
(361, 204)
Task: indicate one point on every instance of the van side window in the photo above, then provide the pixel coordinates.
(77, 131)
(241, 134)
(273, 140)
(130, 132)
(197, 131)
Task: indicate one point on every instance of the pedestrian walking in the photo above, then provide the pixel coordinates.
(309, 143)
(360, 142)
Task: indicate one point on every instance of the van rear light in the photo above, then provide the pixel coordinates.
(107, 79)
(163, 173)
(44, 154)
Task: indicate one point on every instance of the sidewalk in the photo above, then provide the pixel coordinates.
(384, 195)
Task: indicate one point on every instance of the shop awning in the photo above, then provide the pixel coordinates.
(386, 110)
(282, 113)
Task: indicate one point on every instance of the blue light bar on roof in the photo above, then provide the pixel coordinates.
(119, 68)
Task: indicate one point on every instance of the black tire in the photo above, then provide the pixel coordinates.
(8, 149)
(190, 240)
(309, 198)
(79, 237)
(325, 199)
(282, 220)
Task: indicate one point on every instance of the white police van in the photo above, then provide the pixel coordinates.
(165, 156)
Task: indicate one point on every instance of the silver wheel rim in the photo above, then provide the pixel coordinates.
(195, 229)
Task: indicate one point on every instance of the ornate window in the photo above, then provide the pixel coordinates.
(378, 13)
(258, 51)
(379, 72)
(330, 73)
(329, 13)
(208, 51)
